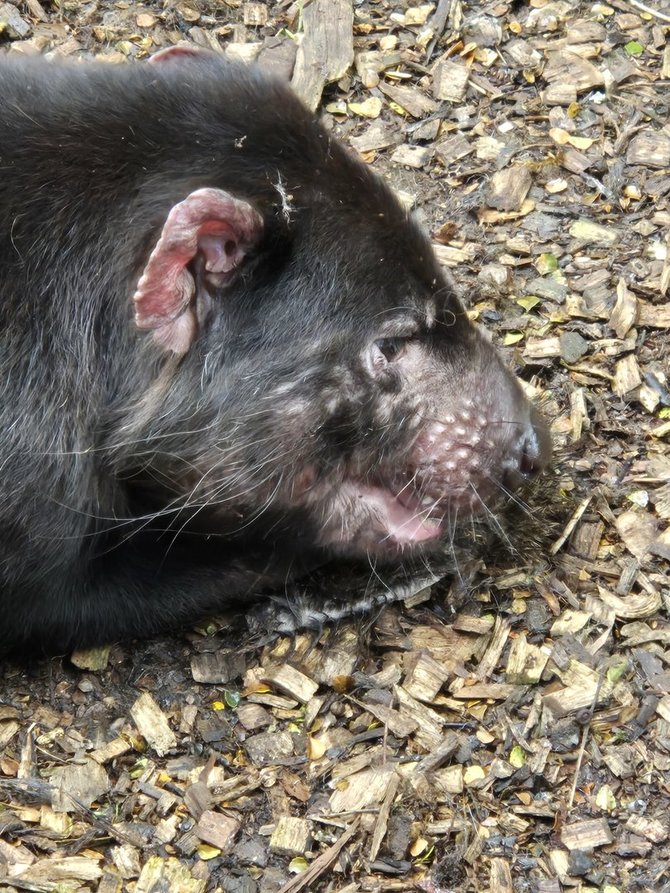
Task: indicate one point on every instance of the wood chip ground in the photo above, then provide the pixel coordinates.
(513, 734)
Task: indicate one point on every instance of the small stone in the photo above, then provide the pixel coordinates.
(252, 851)
(573, 347)
(580, 862)
(493, 279)
(269, 747)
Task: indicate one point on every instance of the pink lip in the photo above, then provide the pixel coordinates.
(406, 521)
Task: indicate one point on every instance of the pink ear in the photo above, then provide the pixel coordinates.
(180, 51)
(210, 224)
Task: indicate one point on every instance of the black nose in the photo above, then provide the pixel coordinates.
(530, 453)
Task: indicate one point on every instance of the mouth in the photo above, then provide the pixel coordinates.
(374, 518)
(406, 518)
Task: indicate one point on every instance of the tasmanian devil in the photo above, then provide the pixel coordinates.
(227, 352)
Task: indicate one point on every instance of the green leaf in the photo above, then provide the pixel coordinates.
(517, 757)
(298, 865)
(546, 263)
(232, 698)
(528, 302)
(633, 48)
(605, 798)
(617, 671)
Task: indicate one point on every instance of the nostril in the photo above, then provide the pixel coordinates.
(528, 465)
(530, 462)
(536, 447)
(531, 456)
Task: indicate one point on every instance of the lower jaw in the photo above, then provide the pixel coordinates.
(389, 527)
(385, 546)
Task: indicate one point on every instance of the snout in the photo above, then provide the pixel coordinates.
(480, 451)
(529, 454)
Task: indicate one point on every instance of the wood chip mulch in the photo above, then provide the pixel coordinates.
(513, 738)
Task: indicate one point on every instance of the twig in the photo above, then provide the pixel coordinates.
(572, 523)
(321, 863)
(383, 816)
(582, 743)
(438, 23)
(652, 12)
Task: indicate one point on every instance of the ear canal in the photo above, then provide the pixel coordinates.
(209, 223)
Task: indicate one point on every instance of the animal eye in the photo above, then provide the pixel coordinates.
(391, 348)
